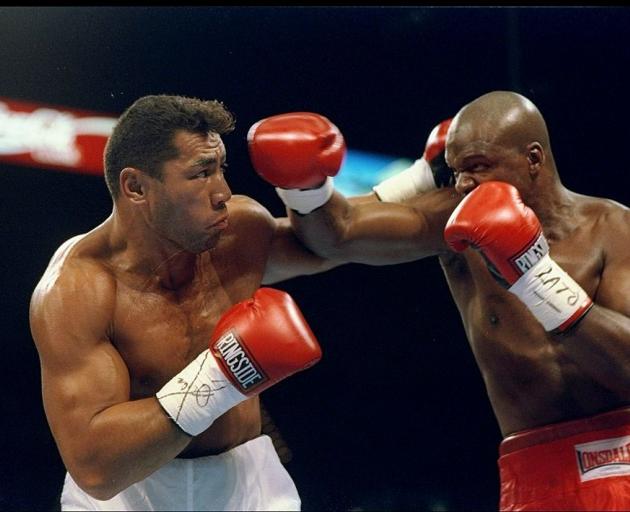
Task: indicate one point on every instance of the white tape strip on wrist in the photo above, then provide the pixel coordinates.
(552, 295)
(199, 394)
(416, 179)
(305, 201)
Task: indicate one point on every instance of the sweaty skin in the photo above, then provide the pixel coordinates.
(532, 377)
(146, 289)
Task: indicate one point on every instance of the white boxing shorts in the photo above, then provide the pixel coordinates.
(247, 477)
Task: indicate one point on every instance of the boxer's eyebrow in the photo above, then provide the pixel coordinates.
(210, 160)
(206, 161)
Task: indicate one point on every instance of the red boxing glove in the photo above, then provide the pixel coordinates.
(434, 155)
(263, 340)
(493, 219)
(255, 344)
(297, 150)
(426, 173)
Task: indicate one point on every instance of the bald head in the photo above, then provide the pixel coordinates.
(501, 136)
(504, 118)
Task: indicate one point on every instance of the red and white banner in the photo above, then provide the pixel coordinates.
(52, 137)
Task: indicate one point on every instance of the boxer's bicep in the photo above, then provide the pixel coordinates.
(82, 372)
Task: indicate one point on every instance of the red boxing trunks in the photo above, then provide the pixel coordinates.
(575, 465)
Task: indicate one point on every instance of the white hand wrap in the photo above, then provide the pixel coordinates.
(198, 395)
(305, 201)
(416, 179)
(552, 295)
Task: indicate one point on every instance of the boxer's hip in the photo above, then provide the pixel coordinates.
(247, 477)
(576, 465)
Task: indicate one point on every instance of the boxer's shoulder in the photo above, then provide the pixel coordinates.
(241, 205)
(605, 219)
(248, 218)
(597, 207)
(79, 275)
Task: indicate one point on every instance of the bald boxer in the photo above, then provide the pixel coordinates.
(541, 277)
(154, 334)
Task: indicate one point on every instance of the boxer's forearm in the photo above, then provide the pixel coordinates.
(323, 231)
(122, 445)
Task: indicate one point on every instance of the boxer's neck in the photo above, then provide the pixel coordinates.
(144, 252)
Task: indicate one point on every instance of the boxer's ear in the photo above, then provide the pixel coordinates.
(535, 158)
(133, 184)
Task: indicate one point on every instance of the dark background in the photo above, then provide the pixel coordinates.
(395, 416)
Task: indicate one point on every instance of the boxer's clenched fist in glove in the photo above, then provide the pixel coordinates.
(297, 153)
(255, 344)
(426, 173)
(494, 220)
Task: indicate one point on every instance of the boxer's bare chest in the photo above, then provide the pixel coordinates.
(504, 336)
(523, 367)
(158, 331)
(491, 311)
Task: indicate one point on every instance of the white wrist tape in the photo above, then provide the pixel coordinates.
(305, 201)
(199, 394)
(552, 295)
(416, 179)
